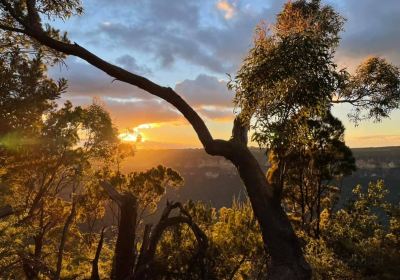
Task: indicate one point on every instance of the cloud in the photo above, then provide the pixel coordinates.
(220, 114)
(372, 28)
(86, 80)
(193, 32)
(205, 90)
(128, 113)
(209, 96)
(133, 114)
(130, 106)
(226, 7)
(164, 44)
(190, 31)
(129, 63)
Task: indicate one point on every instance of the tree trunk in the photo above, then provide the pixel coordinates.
(319, 194)
(64, 236)
(125, 247)
(279, 238)
(95, 262)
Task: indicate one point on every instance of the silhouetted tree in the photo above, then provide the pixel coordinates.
(139, 192)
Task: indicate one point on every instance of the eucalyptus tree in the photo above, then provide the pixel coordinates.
(45, 180)
(287, 86)
(46, 155)
(313, 168)
(295, 69)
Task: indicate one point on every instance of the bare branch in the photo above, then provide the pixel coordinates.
(114, 195)
(240, 131)
(148, 252)
(95, 262)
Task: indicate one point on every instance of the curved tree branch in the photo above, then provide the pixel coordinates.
(150, 245)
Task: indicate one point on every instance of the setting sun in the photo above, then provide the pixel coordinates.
(136, 134)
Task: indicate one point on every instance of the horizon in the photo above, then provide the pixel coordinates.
(251, 148)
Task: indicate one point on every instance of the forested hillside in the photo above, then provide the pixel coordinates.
(214, 179)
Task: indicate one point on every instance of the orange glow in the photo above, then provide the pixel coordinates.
(128, 137)
(136, 134)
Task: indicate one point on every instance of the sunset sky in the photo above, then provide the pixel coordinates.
(191, 45)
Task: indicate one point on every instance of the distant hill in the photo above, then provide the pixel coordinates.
(215, 180)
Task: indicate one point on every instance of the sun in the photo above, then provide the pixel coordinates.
(136, 134)
(128, 137)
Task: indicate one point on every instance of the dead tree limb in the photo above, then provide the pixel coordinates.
(125, 246)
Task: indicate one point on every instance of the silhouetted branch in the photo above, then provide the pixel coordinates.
(239, 131)
(112, 193)
(95, 262)
(33, 29)
(150, 242)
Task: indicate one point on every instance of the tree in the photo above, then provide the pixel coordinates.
(313, 167)
(46, 155)
(287, 261)
(359, 241)
(25, 95)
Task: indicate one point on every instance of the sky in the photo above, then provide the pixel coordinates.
(192, 46)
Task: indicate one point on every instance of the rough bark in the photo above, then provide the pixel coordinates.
(279, 238)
